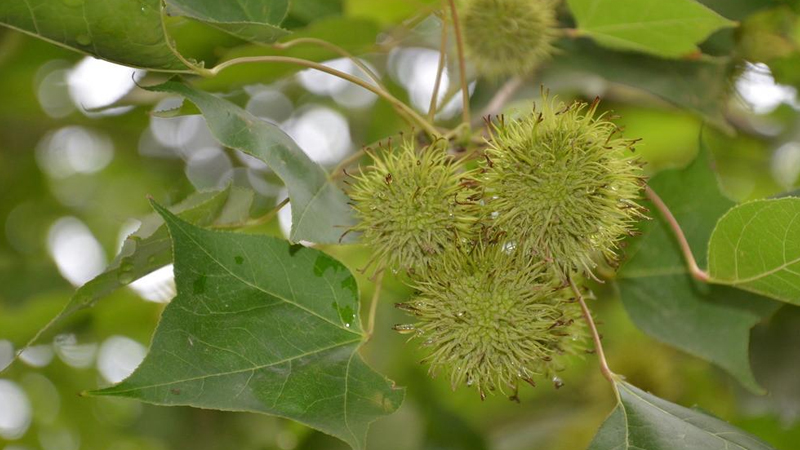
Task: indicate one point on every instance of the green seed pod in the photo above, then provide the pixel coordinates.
(411, 205)
(560, 185)
(508, 37)
(492, 319)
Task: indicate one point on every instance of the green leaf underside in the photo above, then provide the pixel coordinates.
(142, 252)
(699, 86)
(125, 31)
(255, 20)
(320, 212)
(756, 247)
(708, 321)
(642, 421)
(664, 28)
(263, 326)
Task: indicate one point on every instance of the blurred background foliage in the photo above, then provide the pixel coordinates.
(80, 151)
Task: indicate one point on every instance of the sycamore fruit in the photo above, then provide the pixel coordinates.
(491, 319)
(411, 205)
(508, 37)
(561, 185)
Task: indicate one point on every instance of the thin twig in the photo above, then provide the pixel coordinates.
(399, 105)
(439, 72)
(462, 65)
(373, 307)
(335, 49)
(696, 272)
(598, 346)
(499, 100)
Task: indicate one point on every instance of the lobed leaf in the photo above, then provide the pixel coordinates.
(264, 326)
(142, 252)
(756, 247)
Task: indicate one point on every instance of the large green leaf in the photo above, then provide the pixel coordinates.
(669, 29)
(142, 252)
(255, 20)
(756, 247)
(124, 31)
(642, 421)
(699, 86)
(710, 322)
(319, 208)
(265, 326)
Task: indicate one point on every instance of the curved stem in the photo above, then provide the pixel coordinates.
(399, 105)
(462, 65)
(439, 72)
(373, 307)
(696, 272)
(598, 346)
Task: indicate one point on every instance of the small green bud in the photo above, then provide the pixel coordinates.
(508, 37)
(560, 185)
(491, 319)
(411, 205)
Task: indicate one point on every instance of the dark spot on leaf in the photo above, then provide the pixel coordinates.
(325, 262)
(175, 391)
(238, 259)
(199, 285)
(349, 283)
(347, 315)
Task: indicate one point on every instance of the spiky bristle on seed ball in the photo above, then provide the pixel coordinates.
(411, 205)
(561, 184)
(492, 319)
(508, 37)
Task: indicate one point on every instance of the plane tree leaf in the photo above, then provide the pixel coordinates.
(669, 29)
(756, 247)
(142, 252)
(708, 321)
(264, 326)
(319, 208)
(128, 32)
(643, 421)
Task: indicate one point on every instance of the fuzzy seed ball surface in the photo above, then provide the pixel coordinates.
(491, 319)
(508, 37)
(411, 205)
(561, 185)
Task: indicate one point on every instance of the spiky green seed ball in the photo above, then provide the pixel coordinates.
(411, 205)
(561, 185)
(508, 37)
(491, 319)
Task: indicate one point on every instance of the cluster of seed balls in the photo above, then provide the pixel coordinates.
(490, 244)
